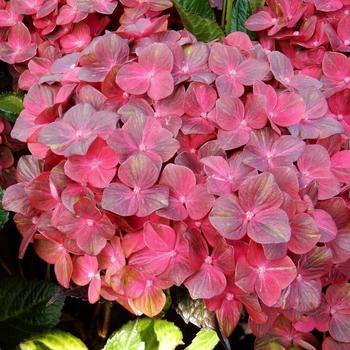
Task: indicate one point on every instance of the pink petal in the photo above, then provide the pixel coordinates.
(161, 85)
(336, 65)
(120, 200)
(133, 78)
(153, 199)
(259, 21)
(159, 237)
(139, 172)
(156, 57)
(340, 165)
(64, 269)
(206, 283)
(179, 178)
(269, 226)
(85, 268)
(259, 193)
(199, 202)
(281, 67)
(222, 53)
(305, 234)
(289, 110)
(250, 71)
(325, 225)
(228, 218)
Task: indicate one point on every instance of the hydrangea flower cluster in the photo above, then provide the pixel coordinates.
(157, 160)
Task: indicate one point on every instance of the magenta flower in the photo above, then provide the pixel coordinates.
(143, 134)
(199, 102)
(266, 277)
(237, 121)
(340, 39)
(87, 225)
(336, 70)
(229, 305)
(55, 250)
(256, 212)
(136, 194)
(192, 63)
(316, 123)
(86, 272)
(77, 130)
(210, 279)
(315, 164)
(267, 150)
(18, 47)
(236, 72)
(225, 176)
(97, 167)
(151, 74)
(285, 109)
(166, 253)
(186, 197)
(338, 297)
(305, 292)
(99, 58)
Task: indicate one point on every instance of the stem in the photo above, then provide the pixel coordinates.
(223, 15)
(229, 9)
(106, 320)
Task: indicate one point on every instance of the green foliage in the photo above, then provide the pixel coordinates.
(241, 12)
(199, 18)
(256, 4)
(11, 105)
(205, 339)
(53, 340)
(24, 309)
(4, 215)
(145, 334)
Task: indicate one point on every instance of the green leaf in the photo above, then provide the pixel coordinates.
(24, 309)
(145, 334)
(241, 12)
(256, 4)
(53, 340)
(199, 18)
(205, 339)
(168, 335)
(4, 215)
(11, 105)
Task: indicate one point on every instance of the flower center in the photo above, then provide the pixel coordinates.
(137, 189)
(233, 72)
(89, 222)
(142, 147)
(149, 283)
(229, 296)
(340, 117)
(208, 260)
(261, 270)
(249, 215)
(347, 80)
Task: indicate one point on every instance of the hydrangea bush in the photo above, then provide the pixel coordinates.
(157, 160)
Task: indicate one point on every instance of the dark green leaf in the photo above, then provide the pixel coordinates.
(198, 17)
(256, 4)
(11, 106)
(241, 12)
(24, 309)
(4, 215)
(53, 340)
